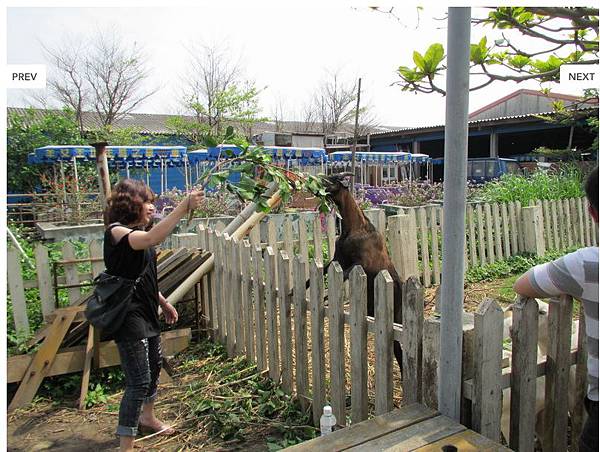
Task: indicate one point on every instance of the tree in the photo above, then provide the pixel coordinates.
(568, 36)
(216, 93)
(100, 73)
(333, 105)
(25, 133)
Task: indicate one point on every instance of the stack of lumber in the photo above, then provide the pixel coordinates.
(68, 343)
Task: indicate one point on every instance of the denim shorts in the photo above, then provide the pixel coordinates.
(141, 361)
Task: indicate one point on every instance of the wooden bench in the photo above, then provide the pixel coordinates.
(414, 427)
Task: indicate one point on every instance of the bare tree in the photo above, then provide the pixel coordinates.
(100, 73)
(115, 74)
(67, 83)
(279, 113)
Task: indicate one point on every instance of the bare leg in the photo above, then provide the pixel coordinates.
(148, 418)
(126, 443)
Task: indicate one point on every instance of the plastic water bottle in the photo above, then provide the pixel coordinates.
(327, 421)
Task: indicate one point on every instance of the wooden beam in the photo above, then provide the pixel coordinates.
(87, 365)
(72, 359)
(42, 360)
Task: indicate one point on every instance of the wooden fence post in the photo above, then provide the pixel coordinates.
(259, 307)
(431, 361)
(384, 315)
(271, 307)
(44, 280)
(317, 313)
(577, 416)
(534, 230)
(412, 340)
(358, 344)
(318, 238)
(337, 366)
(247, 300)
(17, 293)
(558, 364)
(300, 337)
(403, 242)
(524, 372)
(285, 322)
(487, 389)
(230, 293)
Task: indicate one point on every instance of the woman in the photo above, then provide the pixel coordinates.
(129, 252)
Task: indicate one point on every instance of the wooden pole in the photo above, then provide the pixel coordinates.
(103, 174)
(355, 138)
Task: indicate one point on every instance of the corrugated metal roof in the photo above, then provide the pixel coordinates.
(471, 123)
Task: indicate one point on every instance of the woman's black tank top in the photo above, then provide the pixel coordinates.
(121, 260)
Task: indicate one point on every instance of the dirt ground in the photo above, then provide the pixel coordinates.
(49, 426)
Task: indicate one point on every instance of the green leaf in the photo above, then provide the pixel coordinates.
(519, 61)
(419, 60)
(433, 57)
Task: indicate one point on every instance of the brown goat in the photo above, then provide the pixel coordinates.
(361, 244)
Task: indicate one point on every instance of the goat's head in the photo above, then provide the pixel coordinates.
(336, 185)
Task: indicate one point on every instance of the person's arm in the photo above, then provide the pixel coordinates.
(141, 240)
(524, 287)
(169, 311)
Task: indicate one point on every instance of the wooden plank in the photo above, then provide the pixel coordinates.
(44, 279)
(337, 367)
(359, 433)
(402, 237)
(247, 300)
(238, 311)
(288, 239)
(71, 359)
(578, 413)
(523, 381)
(487, 402)
(519, 225)
(358, 344)
(489, 233)
(424, 247)
(465, 441)
(285, 322)
(435, 252)
(413, 436)
(497, 231)
(300, 336)
(331, 236)
(87, 365)
(272, 242)
(569, 224)
(472, 240)
(259, 307)
(318, 238)
(513, 228)
(412, 342)
(560, 313)
(16, 291)
(229, 294)
(580, 220)
(96, 250)
(547, 224)
(586, 222)
(504, 213)
(68, 253)
(271, 307)
(43, 359)
(255, 236)
(431, 361)
(384, 316)
(219, 295)
(480, 234)
(555, 231)
(214, 288)
(381, 222)
(562, 224)
(317, 342)
(303, 239)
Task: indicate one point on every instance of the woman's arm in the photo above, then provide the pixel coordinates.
(169, 311)
(141, 240)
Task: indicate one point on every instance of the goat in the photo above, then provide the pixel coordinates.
(361, 244)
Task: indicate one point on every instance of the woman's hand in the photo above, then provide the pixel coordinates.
(194, 199)
(170, 313)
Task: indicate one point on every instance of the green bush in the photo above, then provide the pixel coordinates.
(566, 183)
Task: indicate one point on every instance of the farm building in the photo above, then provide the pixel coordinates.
(508, 127)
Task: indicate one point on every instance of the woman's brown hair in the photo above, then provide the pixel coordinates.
(126, 202)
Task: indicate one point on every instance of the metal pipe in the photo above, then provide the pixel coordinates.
(455, 169)
(103, 174)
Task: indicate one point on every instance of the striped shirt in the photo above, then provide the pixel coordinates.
(575, 274)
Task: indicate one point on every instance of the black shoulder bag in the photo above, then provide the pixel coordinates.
(107, 307)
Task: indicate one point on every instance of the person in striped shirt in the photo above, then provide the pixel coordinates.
(575, 274)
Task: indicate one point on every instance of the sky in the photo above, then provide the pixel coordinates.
(287, 50)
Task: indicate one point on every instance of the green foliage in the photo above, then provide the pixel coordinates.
(426, 66)
(122, 136)
(26, 132)
(513, 265)
(566, 183)
(95, 396)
